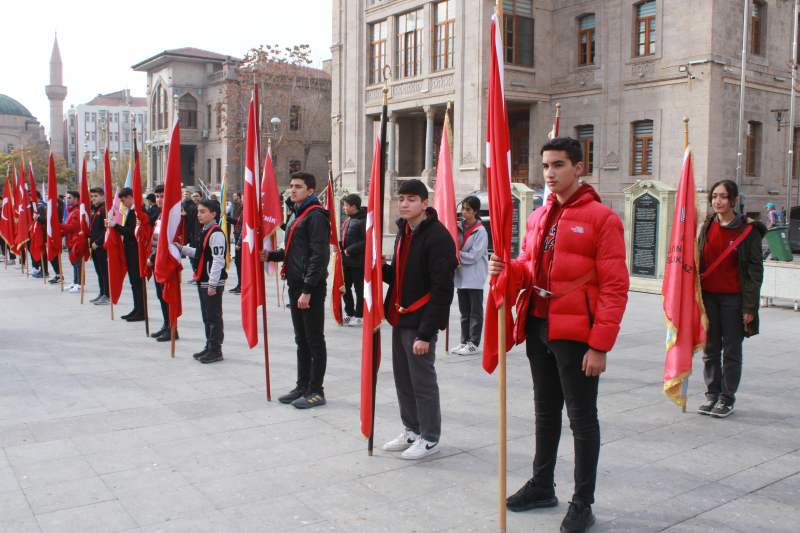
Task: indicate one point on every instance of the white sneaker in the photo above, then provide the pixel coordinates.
(355, 321)
(421, 448)
(469, 349)
(401, 442)
(75, 288)
(35, 270)
(457, 350)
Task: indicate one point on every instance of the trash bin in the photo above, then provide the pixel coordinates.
(778, 241)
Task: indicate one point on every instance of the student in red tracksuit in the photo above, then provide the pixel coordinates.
(71, 231)
(576, 287)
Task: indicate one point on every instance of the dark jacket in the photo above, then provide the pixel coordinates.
(354, 239)
(236, 224)
(430, 266)
(153, 213)
(309, 254)
(128, 232)
(751, 265)
(98, 230)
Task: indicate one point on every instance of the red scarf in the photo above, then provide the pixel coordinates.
(289, 237)
(468, 233)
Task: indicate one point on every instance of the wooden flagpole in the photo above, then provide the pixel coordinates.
(60, 268)
(501, 375)
(144, 302)
(83, 276)
(108, 217)
(172, 337)
(259, 248)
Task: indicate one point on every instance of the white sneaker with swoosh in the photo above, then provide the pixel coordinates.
(421, 448)
(402, 442)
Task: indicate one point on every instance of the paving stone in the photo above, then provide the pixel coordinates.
(68, 494)
(100, 517)
(51, 472)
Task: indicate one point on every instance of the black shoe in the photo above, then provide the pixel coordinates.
(93, 300)
(167, 337)
(135, 318)
(126, 317)
(309, 399)
(292, 395)
(55, 280)
(164, 329)
(212, 356)
(722, 409)
(201, 353)
(531, 496)
(578, 519)
(235, 289)
(706, 407)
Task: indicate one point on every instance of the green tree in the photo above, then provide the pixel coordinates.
(36, 154)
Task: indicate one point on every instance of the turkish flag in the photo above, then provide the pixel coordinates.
(168, 257)
(444, 196)
(21, 209)
(117, 266)
(338, 275)
(252, 273)
(498, 177)
(144, 232)
(82, 243)
(373, 291)
(684, 313)
(54, 245)
(271, 210)
(8, 229)
(37, 232)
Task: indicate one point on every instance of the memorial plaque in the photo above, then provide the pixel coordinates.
(645, 236)
(515, 227)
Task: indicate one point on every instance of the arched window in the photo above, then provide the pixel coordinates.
(164, 109)
(187, 109)
(155, 106)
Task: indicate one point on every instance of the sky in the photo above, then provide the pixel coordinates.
(100, 40)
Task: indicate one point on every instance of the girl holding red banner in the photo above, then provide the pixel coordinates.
(731, 270)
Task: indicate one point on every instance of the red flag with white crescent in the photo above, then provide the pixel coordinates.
(21, 210)
(144, 232)
(271, 210)
(337, 288)
(168, 257)
(7, 228)
(53, 222)
(252, 272)
(498, 177)
(37, 230)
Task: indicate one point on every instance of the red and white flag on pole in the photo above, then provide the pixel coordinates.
(252, 273)
(37, 231)
(498, 176)
(444, 196)
(81, 247)
(336, 256)
(21, 209)
(144, 232)
(684, 313)
(8, 229)
(373, 291)
(117, 266)
(168, 257)
(53, 222)
(271, 211)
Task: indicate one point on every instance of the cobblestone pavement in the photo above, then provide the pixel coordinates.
(100, 430)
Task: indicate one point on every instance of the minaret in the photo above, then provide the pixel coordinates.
(56, 93)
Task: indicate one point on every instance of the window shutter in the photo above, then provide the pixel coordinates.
(587, 22)
(643, 128)
(647, 9)
(585, 132)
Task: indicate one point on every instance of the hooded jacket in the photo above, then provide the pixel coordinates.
(430, 267)
(589, 238)
(474, 259)
(306, 264)
(751, 263)
(354, 239)
(72, 226)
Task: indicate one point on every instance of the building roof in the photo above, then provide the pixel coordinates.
(186, 52)
(9, 106)
(117, 99)
(298, 70)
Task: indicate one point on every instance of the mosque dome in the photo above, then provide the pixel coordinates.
(9, 106)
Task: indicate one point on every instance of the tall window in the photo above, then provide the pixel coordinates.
(646, 29)
(642, 148)
(208, 123)
(751, 160)
(377, 51)
(586, 138)
(125, 116)
(219, 116)
(187, 110)
(409, 44)
(164, 108)
(157, 109)
(219, 170)
(794, 153)
(295, 115)
(757, 28)
(445, 34)
(208, 170)
(586, 40)
(518, 32)
(294, 166)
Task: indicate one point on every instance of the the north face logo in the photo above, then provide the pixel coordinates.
(577, 229)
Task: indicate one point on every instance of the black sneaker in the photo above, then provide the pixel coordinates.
(93, 300)
(126, 317)
(136, 318)
(211, 356)
(164, 329)
(234, 290)
(55, 280)
(722, 409)
(292, 395)
(579, 518)
(531, 497)
(706, 407)
(309, 399)
(201, 353)
(167, 336)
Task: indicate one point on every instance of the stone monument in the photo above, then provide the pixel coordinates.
(649, 210)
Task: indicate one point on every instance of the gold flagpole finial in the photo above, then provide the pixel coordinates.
(685, 132)
(330, 166)
(386, 78)
(558, 110)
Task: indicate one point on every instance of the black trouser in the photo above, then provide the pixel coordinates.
(54, 263)
(100, 258)
(211, 311)
(722, 356)
(416, 384)
(309, 335)
(470, 304)
(559, 378)
(237, 260)
(136, 283)
(353, 278)
(164, 305)
(76, 272)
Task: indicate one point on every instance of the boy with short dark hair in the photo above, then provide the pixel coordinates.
(131, 249)
(417, 306)
(353, 243)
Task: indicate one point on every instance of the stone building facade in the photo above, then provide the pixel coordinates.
(18, 127)
(212, 97)
(625, 72)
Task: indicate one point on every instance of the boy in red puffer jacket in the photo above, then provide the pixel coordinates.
(71, 231)
(575, 283)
